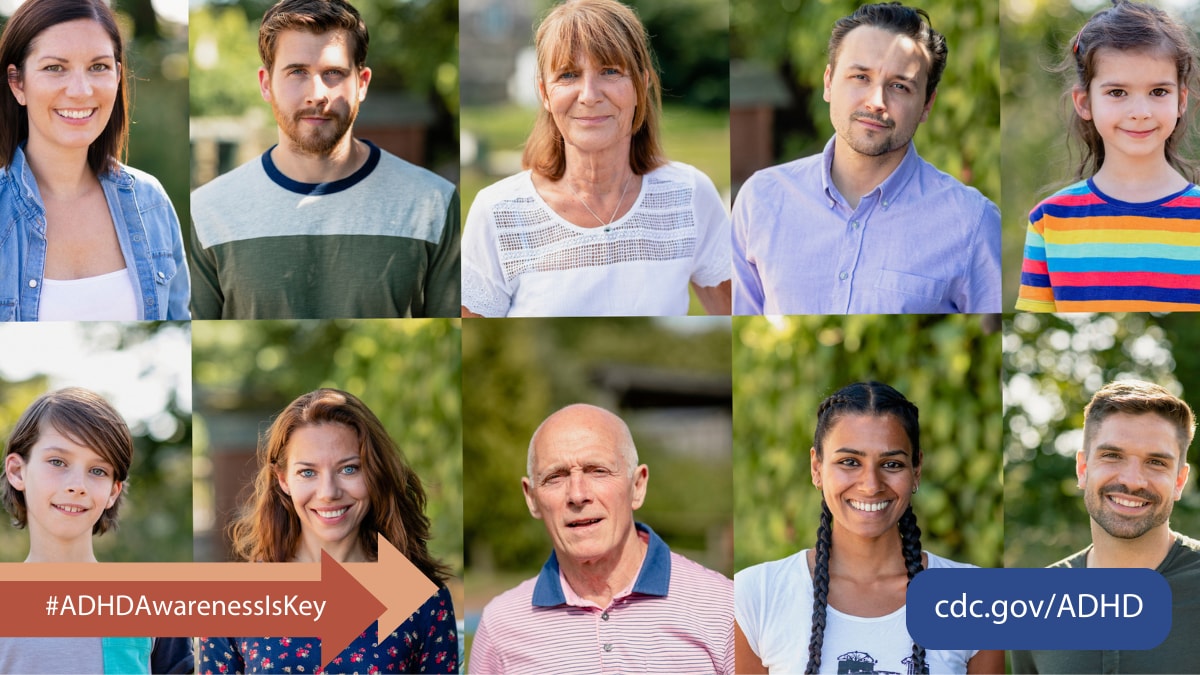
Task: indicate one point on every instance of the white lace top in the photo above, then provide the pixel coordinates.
(519, 258)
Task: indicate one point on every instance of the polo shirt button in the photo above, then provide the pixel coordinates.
(885, 203)
(608, 647)
(33, 283)
(604, 616)
(843, 276)
(856, 224)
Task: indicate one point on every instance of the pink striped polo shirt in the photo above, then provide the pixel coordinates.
(676, 618)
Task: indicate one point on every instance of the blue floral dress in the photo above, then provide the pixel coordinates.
(427, 642)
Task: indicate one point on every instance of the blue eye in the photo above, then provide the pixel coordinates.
(349, 470)
(306, 473)
(54, 461)
(97, 471)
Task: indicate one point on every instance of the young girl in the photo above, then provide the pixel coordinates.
(330, 478)
(817, 610)
(1128, 237)
(65, 468)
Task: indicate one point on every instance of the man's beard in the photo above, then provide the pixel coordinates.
(316, 141)
(1120, 526)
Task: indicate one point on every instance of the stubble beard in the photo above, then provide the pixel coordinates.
(884, 141)
(1121, 527)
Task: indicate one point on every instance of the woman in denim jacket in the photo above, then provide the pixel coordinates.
(82, 236)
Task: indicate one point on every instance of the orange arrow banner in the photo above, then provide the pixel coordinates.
(332, 601)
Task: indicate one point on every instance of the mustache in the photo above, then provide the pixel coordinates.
(1123, 490)
(877, 119)
(329, 113)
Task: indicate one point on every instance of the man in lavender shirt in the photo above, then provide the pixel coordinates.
(868, 227)
(612, 598)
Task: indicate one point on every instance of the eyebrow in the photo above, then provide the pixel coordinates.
(344, 460)
(62, 59)
(1153, 455)
(1165, 83)
(860, 453)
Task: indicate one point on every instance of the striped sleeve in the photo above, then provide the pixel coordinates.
(1036, 294)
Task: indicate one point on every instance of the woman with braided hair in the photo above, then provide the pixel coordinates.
(820, 607)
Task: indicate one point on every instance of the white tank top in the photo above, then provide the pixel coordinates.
(107, 297)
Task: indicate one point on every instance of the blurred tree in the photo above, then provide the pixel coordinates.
(946, 365)
(1052, 366)
(961, 136)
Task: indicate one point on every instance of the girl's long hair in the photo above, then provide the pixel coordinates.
(270, 531)
(862, 398)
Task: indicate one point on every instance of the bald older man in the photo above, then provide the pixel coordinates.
(612, 597)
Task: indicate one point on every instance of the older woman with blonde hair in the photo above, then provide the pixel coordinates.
(599, 223)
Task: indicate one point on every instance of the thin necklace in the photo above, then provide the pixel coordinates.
(615, 209)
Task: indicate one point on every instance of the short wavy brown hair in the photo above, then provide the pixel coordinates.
(312, 16)
(610, 34)
(88, 420)
(1134, 397)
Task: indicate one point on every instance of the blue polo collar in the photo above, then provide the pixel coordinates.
(653, 579)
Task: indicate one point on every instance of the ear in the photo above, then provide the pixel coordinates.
(917, 471)
(814, 466)
(1181, 480)
(264, 84)
(364, 79)
(15, 84)
(116, 492)
(14, 470)
(1083, 106)
(541, 90)
(828, 81)
(527, 488)
(641, 476)
(928, 107)
(283, 483)
(1183, 100)
(1081, 467)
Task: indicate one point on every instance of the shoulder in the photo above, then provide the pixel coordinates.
(938, 562)
(805, 171)
(246, 179)
(1074, 195)
(144, 185)
(515, 191)
(935, 183)
(771, 574)
(519, 598)
(416, 178)
(1074, 560)
(691, 575)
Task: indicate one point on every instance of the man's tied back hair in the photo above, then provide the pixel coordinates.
(896, 18)
(1134, 397)
(316, 17)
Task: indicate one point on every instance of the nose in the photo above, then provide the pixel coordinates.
(589, 86)
(318, 93)
(578, 489)
(875, 98)
(76, 481)
(78, 84)
(328, 488)
(870, 482)
(1131, 475)
(1140, 109)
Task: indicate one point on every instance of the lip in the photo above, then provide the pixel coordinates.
(75, 115)
(71, 509)
(583, 523)
(869, 507)
(871, 124)
(331, 515)
(1130, 505)
(598, 119)
(1138, 134)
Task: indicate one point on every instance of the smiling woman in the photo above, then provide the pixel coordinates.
(94, 239)
(331, 479)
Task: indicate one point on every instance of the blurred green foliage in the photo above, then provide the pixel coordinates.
(155, 520)
(948, 366)
(407, 372)
(1052, 366)
(961, 136)
(1036, 111)
(518, 371)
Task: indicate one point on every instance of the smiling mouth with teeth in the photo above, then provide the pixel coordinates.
(1130, 503)
(69, 509)
(864, 506)
(76, 114)
(333, 514)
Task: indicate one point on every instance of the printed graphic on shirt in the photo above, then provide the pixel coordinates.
(862, 663)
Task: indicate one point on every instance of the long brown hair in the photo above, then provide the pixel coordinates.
(25, 25)
(269, 531)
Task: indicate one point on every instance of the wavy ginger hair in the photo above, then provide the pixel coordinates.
(269, 531)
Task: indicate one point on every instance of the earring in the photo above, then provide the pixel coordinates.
(915, 487)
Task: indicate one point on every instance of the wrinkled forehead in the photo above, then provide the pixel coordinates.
(568, 445)
(569, 40)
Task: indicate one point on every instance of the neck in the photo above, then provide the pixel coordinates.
(45, 548)
(1147, 551)
(346, 157)
(1139, 181)
(61, 173)
(852, 556)
(598, 172)
(855, 174)
(599, 580)
(344, 551)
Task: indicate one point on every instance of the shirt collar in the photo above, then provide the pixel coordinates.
(888, 190)
(653, 579)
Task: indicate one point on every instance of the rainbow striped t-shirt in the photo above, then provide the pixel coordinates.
(1088, 252)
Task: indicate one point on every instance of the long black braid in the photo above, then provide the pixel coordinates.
(872, 398)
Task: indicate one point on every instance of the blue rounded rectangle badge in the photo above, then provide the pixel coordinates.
(1056, 608)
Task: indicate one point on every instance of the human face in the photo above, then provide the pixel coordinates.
(325, 480)
(876, 91)
(67, 486)
(1135, 100)
(592, 103)
(867, 474)
(314, 90)
(582, 489)
(68, 85)
(1132, 474)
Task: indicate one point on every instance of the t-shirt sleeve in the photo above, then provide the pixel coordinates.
(747, 285)
(983, 276)
(747, 605)
(220, 655)
(208, 300)
(484, 288)
(712, 261)
(172, 655)
(1022, 662)
(443, 281)
(484, 659)
(1036, 293)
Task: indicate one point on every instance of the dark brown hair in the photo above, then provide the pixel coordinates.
(862, 398)
(610, 34)
(1134, 397)
(269, 531)
(316, 17)
(896, 18)
(86, 419)
(21, 31)
(1133, 27)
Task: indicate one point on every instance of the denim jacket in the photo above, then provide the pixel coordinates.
(147, 229)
